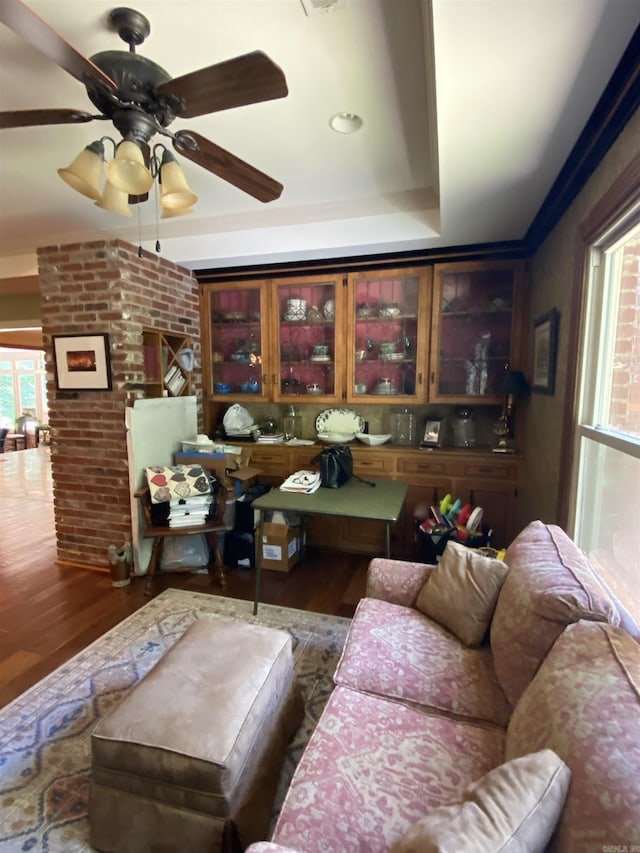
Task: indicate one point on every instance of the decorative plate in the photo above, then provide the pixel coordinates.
(341, 421)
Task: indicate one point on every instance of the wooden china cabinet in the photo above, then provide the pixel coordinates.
(408, 336)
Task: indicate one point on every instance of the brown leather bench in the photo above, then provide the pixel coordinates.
(198, 741)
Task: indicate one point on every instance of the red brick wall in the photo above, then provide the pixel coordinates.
(95, 288)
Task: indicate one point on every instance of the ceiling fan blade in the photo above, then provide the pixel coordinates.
(29, 118)
(19, 18)
(226, 166)
(237, 82)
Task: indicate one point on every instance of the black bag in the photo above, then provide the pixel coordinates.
(336, 467)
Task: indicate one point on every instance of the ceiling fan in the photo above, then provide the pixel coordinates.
(141, 99)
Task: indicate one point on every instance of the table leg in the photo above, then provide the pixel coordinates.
(258, 561)
(388, 540)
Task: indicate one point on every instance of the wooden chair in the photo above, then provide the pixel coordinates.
(158, 533)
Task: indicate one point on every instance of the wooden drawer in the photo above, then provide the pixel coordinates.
(368, 462)
(490, 470)
(272, 461)
(417, 469)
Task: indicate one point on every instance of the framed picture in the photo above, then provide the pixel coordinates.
(545, 352)
(82, 362)
(433, 433)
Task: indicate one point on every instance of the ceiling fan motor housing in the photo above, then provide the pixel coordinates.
(136, 78)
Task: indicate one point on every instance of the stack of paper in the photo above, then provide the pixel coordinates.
(305, 482)
(188, 512)
(278, 438)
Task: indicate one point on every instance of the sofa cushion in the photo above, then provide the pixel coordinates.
(461, 592)
(373, 767)
(550, 584)
(514, 808)
(584, 704)
(399, 652)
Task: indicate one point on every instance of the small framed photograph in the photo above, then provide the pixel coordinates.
(545, 352)
(82, 362)
(433, 433)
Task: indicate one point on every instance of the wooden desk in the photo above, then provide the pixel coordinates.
(381, 502)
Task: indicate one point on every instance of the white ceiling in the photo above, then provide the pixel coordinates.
(462, 156)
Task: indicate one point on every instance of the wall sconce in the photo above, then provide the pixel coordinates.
(131, 172)
(513, 385)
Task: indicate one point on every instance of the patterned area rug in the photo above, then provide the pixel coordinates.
(45, 734)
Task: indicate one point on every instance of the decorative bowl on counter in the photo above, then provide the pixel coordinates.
(336, 437)
(372, 440)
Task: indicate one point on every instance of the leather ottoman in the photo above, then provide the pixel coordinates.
(199, 740)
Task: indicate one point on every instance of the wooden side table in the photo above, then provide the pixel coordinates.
(15, 441)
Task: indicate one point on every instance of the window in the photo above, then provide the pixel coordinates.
(606, 470)
(22, 386)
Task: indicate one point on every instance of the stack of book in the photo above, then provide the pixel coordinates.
(187, 512)
(305, 482)
(175, 380)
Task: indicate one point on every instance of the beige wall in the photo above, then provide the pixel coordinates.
(552, 276)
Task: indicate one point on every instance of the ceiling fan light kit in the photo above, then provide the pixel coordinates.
(114, 200)
(84, 174)
(141, 100)
(127, 170)
(175, 191)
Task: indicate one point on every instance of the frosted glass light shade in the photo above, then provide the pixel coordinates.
(86, 172)
(127, 171)
(171, 212)
(175, 191)
(115, 200)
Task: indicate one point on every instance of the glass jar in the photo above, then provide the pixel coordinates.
(403, 427)
(292, 424)
(464, 429)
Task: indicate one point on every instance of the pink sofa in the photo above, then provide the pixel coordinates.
(417, 716)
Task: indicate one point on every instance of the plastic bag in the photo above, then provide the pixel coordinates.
(184, 552)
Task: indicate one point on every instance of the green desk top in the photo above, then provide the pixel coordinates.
(382, 502)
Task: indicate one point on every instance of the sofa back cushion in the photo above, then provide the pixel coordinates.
(550, 584)
(584, 704)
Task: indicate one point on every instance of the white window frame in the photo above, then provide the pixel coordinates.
(596, 335)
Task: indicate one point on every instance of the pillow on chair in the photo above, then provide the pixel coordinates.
(173, 482)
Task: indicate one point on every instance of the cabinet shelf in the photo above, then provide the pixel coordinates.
(165, 374)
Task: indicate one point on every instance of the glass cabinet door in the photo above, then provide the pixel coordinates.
(236, 316)
(474, 336)
(308, 359)
(388, 311)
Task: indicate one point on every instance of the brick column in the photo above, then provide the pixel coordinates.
(95, 288)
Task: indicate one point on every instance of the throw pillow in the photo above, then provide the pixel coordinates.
(462, 591)
(512, 809)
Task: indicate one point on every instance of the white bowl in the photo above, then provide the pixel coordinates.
(372, 440)
(336, 437)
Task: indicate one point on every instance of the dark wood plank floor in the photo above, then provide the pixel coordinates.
(49, 612)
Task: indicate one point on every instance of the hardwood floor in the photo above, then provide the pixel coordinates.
(49, 612)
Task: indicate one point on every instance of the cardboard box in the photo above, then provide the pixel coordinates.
(244, 478)
(220, 462)
(280, 546)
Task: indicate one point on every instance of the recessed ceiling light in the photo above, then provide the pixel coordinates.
(345, 122)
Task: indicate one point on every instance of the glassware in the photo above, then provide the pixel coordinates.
(464, 429)
(292, 424)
